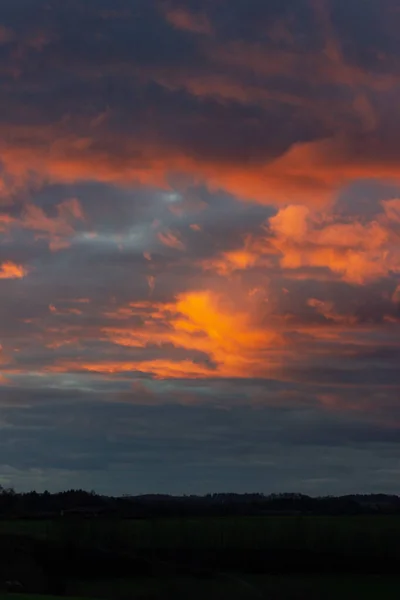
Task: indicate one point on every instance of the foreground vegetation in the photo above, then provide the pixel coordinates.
(263, 586)
(180, 548)
(366, 536)
(266, 587)
(232, 557)
(35, 597)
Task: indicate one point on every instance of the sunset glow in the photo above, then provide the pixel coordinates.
(9, 270)
(200, 228)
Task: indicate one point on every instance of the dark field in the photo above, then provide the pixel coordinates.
(265, 557)
(34, 597)
(267, 587)
(377, 536)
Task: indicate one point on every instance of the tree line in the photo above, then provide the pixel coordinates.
(78, 502)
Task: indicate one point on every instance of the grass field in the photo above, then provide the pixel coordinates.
(377, 535)
(276, 588)
(35, 597)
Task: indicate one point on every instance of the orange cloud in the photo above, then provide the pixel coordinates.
(205, 322)
(252, 254)
(171, 240)
(58, 229)
(357, 252)
(299, 237)
(231, 72)
(5, 222)
(10, 270)
(161, 369)
(66, 311)
(327, 310)
(236, 259)
(392, 210)
(307, 173)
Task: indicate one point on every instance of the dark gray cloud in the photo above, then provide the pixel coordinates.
(272, 443)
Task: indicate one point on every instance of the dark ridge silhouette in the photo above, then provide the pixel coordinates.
(80, 503)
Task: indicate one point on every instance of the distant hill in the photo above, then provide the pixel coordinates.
(89, 504)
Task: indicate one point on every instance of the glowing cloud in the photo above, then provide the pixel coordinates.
(204, 322)
(357, 252)
(10, 270)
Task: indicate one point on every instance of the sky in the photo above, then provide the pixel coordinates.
(200, 246)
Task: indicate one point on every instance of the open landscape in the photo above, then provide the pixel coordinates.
(199, 299)
(289, 556)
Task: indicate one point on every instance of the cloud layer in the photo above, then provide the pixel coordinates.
(200, 244)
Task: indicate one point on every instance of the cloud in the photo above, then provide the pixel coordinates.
(254, 253)
(261, 108)
(352, 248)
(10, 270)
(202, 322)
(188, 21)
(199, 206)
(58, 229)
(171, 240)
(279, 443)
(358, 252)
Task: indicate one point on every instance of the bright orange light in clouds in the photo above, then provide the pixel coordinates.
(306, 173)
(255, 252)
(356, 251)
(231, 261)
(10, 270)
(353, 250)
(201, 321)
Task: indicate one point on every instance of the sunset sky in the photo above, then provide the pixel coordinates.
(200, 245)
